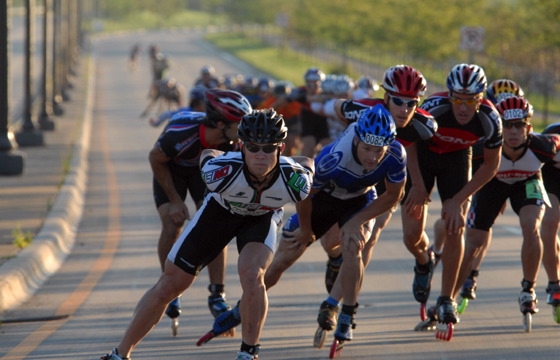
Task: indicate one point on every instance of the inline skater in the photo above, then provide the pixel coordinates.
(497, 91)
(289, 110)
(404, 86)
(519, 180)
(269, 181)
(463, 117)
(196, 103)
(343, 195)
(174, 163)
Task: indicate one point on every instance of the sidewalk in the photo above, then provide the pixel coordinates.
(46, 200)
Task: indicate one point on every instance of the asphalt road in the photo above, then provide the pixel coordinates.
(81, 312)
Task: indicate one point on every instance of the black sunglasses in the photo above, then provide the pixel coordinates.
(400, 102)
(254, 148)
(515, 124)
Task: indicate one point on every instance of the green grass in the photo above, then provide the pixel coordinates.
(151, 21)
(21, 239)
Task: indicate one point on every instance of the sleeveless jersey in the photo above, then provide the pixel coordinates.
(421, 127)
(452, 136)
(183, 139)
(338, 173)
(539, 149)
(226, 178)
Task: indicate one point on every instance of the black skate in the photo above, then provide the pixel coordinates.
(428, 324)
(342, 334)
(327, 321)
(447, 318)
(421, 284)
(173, 311)
(468, 292)
(553, 299)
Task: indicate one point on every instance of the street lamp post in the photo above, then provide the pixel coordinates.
(29, 135)
(11, 161)
(46, 110)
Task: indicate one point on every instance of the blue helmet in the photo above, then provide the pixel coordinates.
(376, 127)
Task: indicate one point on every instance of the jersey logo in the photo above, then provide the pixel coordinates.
(297, 182)
(218, 174)
(329, 162)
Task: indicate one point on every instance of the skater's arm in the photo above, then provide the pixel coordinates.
(159, 163)
(353, 230)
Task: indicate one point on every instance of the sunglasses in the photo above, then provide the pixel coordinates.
(400, 102)
(514, 124)
(467, 102)
(254, 148)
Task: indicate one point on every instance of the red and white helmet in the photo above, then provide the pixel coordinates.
(405, 81)
(467, 79)
(226, 105)
(515, 108)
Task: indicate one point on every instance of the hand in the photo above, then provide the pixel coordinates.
(416, 198)
(178, 212)
(298, 239)
(352, 233)
(453, 215)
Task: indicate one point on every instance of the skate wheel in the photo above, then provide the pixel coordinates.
(336, 348)
(423, 314)
(174, 326)
(444, 331)
(462, 305)
(319, 338)
(207, 337)
(556, 313)
(527, 322)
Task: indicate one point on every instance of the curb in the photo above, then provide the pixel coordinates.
(23, 275)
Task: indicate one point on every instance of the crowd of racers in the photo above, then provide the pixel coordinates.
(501, 138)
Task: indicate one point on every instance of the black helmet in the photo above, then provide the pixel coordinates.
(262, 127)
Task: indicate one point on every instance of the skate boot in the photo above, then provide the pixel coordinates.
(173, 309)
(344, 328)
(248, 352)
(447, 317)
(114, 355)
(217, 300)
(468, 291)
(422, 280)
(528, 302)
(227, 320)
(553, 298)
(553, 291)
(327, 316)
(446, 311)
(333, 268)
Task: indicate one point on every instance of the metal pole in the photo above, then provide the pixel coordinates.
(45, 112)
(11, 162)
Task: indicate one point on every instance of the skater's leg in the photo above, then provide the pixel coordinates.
(286, 255)
(549, 234)
(253, 262)
(475, 241)
(531, 251)
(149, 310)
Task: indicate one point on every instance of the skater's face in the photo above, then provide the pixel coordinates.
(401, 108)
(369, 156)
(515, 132)
(261, 158)
(230, 131)
(464, 106)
